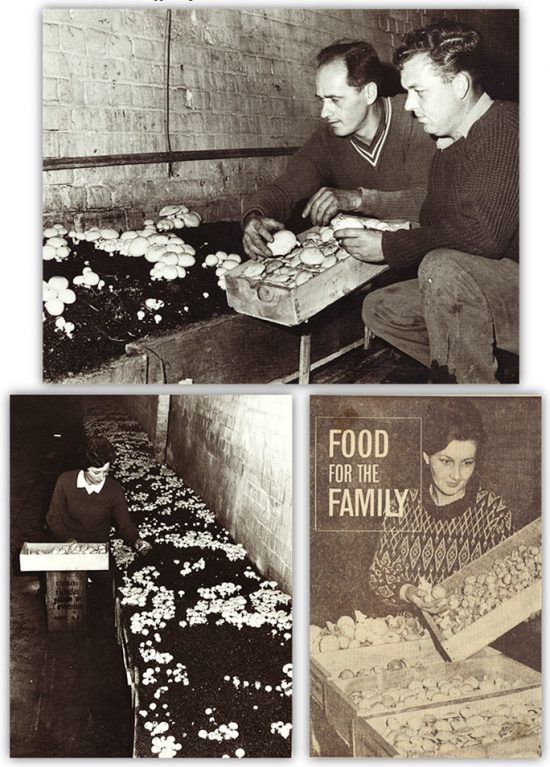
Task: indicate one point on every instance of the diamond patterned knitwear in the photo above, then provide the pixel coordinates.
(435, 541)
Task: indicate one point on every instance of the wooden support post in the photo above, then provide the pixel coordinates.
(369, 335)
(305, 358)
(161, 431)
(66, 600)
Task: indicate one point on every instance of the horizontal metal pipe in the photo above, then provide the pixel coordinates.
(151, 158)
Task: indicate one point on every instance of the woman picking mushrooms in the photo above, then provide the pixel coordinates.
(456, 520)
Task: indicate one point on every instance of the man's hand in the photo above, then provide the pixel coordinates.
(364, 244)
(417, 596)
(142, 547)
(327, 202)
(257, 231)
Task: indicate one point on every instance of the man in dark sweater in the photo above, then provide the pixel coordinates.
(85, 504)
(370, 156)
(465, 301)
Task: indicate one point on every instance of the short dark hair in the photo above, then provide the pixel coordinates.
(97, 452)
(453, 47)
(360, 58)
(447, 419)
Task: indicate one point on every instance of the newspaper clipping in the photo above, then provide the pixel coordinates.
(425, 576)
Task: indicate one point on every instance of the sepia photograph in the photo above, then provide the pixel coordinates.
(280, 195)
(425, 576)
(151, 576)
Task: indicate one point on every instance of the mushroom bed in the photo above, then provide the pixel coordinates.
(209, 636)
(108, 316)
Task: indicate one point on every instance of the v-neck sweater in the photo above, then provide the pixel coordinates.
(394, 188)
(88, 517)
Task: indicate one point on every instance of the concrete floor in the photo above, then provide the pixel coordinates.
(69, 696)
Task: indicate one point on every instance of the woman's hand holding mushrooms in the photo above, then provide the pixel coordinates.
(432, 601)
(363, 244)
(257, 231)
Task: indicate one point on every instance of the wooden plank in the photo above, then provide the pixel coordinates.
(239, 349)
(502, 618)
(293, 305)
(124, 370)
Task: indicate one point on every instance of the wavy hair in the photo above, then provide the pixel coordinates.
(447, 419)
(453, 47)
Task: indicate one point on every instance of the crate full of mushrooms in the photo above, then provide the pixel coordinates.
(305, 274)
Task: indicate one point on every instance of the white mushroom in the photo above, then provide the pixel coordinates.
(138, 246)
(54, 307)
(50, 232)
(186, 259)
(68, 296)
(169, 210)
(48, 252)
(283, 243)
(192, 219)
(58, 283)
(211, 260)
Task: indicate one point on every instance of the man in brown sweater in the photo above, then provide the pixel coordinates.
(369, 156)
(465, 301)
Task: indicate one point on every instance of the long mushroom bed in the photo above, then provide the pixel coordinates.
(208, 638)
(103, 287)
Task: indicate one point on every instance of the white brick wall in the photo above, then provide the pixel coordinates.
(239, 78)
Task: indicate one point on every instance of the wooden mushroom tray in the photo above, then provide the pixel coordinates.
(369, 738)
(502, 618)
(47, 556)
(341, 711)
(293, 304)
(329, 665)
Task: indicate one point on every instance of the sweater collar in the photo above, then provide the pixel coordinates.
(482, 105)
(88, 486)
(371, 152)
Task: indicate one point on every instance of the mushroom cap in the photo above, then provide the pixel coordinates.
(159, 239)
(57, 241)
(346, 222)
(169, 210)
(211, 260)
(129, 235)
(311, 256)
(50, 232)
(54, 307)
(186, 259)
(181, 271)
(91, 278)
(169, 272)
(154, 253)
(62, 252)
(109, 234)
(169, 258)
(138, 247)
(191, 219)
(189, 249)
(92, 234)
(58, 283)
(283, 243)
(47, 292)
(68, 296)
(48, 252)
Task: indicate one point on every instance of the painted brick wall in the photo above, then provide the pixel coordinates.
(236, 452)
(239, 78)
(144, 410)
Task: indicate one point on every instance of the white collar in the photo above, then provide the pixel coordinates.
(88, 486)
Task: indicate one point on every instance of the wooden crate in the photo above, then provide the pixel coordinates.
(66, 600)
(328, 665)
(341, 711)
(369, 739)
(40, 556)
(292, 305)
(505, 616)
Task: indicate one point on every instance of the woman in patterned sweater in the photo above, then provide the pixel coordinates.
(452, 522)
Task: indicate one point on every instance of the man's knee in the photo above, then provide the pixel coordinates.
(441, 268)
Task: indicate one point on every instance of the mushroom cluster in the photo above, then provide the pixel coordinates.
(433, 734)
(418, 692)
(78, 548)
(177, 217)
(223, 262)
(56, 294)
(56, 246)
(479, 594)
(348, 633)
(245, 619)
(88, 279)
(294, 263)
